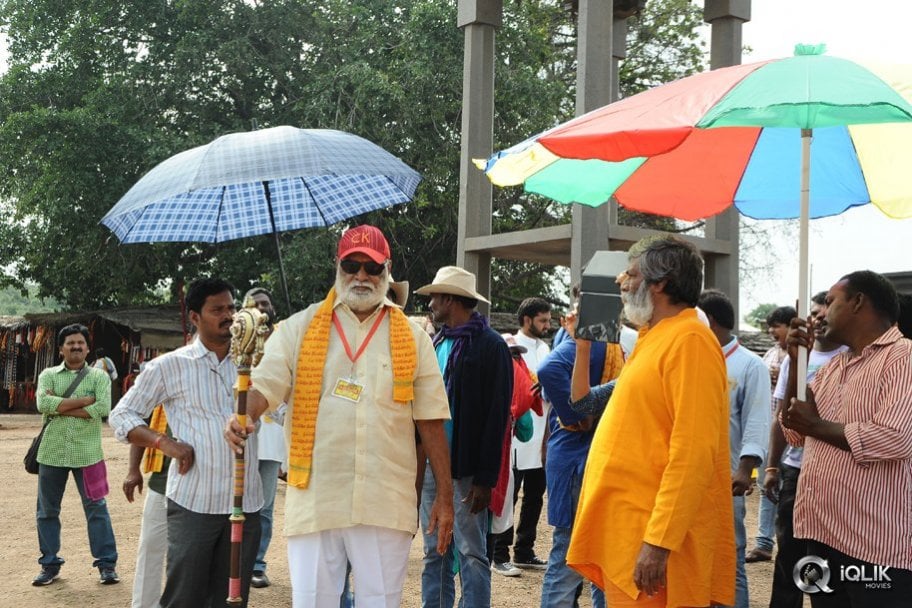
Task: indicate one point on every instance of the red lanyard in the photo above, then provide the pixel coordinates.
(729, 352)
(364, 344)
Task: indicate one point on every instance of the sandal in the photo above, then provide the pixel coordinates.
(758, 555)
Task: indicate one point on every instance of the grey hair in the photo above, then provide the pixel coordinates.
(673, 260)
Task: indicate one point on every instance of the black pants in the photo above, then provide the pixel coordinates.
(785, 593)
(895, 593)
(532, 482)
(199, 556)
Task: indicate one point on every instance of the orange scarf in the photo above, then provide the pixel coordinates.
(614, 361)
(308, 383)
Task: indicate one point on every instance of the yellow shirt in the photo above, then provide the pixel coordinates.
(364, 461)
(658, 469)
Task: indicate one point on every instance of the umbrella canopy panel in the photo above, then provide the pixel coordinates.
(218, 192)
(691, 148)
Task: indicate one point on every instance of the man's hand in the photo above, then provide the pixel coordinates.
(479, 498)
(441, 520)
(742, 484)
(651, 565)
(181, 452)
(771, 485)
(802, 416)
(774, 375)
(236, 435)
(799, 335)
(133, 481)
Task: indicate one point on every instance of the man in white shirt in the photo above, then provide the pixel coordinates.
(358, 378)
(749, 418)
(534, 318)
(195, 383)
(105, 363)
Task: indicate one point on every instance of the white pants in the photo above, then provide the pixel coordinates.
(379, 559)
(150, 555)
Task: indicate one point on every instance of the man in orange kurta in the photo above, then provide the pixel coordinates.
(653, 527)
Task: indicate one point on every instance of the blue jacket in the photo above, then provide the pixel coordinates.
(567, 450)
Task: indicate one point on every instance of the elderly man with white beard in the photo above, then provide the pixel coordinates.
(358, 378)
(653, 527)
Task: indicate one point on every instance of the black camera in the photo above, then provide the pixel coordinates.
(600, 303)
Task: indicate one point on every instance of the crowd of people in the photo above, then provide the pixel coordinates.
(380, 428)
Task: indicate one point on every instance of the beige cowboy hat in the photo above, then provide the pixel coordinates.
(454, 281)
(401, 290)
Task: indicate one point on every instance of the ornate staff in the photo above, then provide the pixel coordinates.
(248, 334)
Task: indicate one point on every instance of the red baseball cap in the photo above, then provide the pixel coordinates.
(364, 239)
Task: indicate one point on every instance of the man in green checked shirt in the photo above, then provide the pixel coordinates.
(72, 442)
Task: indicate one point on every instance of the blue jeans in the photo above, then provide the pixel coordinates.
(51, 484)
(269, 473)
(469, 551)
(741, 596)
(766, 518)
(560, 585)
(348, 596)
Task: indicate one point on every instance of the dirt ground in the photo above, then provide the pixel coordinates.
(78, 583)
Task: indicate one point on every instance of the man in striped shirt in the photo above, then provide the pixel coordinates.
(195, 383)
(855, 490)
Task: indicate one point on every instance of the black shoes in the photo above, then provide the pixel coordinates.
(46, 577)
(109, 576)
(259, 579)
(532, 564)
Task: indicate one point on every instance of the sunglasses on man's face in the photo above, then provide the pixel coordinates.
(370, 267)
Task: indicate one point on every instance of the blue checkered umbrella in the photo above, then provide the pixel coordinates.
(261, 182)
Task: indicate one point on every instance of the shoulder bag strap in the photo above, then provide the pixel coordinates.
(76, 381)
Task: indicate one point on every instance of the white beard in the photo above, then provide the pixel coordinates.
(638, 306)
(361, 300)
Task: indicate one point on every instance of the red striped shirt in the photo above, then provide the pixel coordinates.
(860, 502)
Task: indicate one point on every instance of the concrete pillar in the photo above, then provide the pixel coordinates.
(596, 85)
(726, 18)
(479, 20)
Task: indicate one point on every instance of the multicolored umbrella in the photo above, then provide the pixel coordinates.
(736, 136)
(261, 182)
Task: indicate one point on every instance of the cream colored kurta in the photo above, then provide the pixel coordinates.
(658, 469)
(364, 461)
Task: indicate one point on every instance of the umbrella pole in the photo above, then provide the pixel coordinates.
(275, 236)
(803, 257)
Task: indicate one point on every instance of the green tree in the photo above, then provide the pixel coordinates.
(757, 316)
(98, 92)
(17, 303)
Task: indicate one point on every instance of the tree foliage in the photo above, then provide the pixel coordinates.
(17, 303)
(757, 316)
(98, 92)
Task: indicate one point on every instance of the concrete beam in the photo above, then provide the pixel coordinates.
(550, 245)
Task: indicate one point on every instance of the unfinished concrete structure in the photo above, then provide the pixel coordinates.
(602, 28)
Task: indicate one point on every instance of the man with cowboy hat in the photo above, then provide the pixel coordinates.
(358, 377)
(478, 373)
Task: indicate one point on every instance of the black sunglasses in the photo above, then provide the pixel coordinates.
(352, 267)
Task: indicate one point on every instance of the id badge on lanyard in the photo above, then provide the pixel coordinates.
(349, 388)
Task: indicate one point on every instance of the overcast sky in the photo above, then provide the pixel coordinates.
(862, 237)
